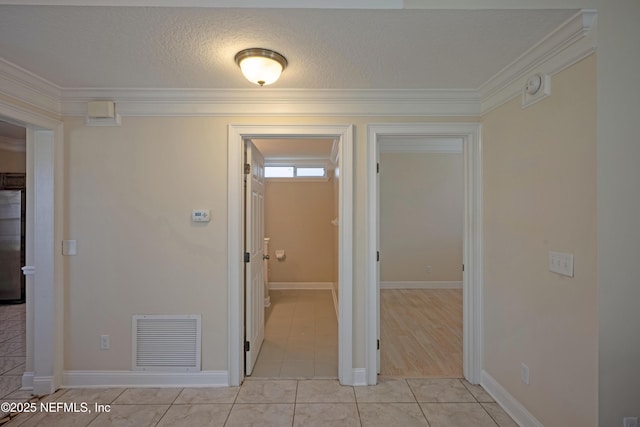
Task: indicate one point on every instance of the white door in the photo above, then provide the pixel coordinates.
(254, 251)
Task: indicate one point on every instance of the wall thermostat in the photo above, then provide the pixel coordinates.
(200, 215)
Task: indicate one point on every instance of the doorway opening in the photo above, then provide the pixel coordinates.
(300, 266)
(240, 299)
(421, 222)
(43, 334)
(469, 134)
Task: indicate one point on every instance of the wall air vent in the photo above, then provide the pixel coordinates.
(166, 342)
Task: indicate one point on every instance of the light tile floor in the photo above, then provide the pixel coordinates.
(12, 354)
(258, 402)
(300, 336)
(393, 402)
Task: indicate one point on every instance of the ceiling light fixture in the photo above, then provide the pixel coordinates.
(261, 66)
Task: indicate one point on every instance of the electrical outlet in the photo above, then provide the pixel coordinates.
(104, 342)
(428, 269)
(630, 422)
(524, 373)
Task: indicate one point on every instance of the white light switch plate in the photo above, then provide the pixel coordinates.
(69, 247)
(561, 263)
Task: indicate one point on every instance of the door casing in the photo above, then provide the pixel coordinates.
(472, 239)
(237, 134)
(44, 292)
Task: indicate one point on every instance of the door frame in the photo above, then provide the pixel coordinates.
(237, 134)
(43, 269)
(472, 239)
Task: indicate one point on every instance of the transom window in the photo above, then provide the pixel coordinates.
(295, 172)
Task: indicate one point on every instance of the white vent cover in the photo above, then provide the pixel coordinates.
(166, 342)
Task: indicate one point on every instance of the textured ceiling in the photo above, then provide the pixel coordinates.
(156, 47)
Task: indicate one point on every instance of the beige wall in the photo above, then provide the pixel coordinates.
(13, 161)
(540, 196)
(298, 218)
(129, 192)
(421, 212)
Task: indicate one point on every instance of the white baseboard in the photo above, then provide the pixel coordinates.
(420, 285)
(96, 379)
(313, 286)
(27, 381)
(509, 403)
(359, 377)
(43, 385)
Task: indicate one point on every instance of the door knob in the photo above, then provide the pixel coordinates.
(265, 256)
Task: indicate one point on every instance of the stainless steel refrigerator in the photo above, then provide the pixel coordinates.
(11, 232)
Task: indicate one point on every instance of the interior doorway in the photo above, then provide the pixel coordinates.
(238, 135)
(44, 340)
(301, 217)
(421, 223)
(472, 236)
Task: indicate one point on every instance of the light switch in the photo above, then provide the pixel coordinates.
(69, 247)
(561, 263)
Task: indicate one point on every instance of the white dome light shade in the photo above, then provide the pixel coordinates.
(261, 66)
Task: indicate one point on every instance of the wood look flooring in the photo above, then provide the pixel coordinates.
(421, 333)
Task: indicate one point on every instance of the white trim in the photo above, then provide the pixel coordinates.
(472, 239)
(420, 285)
(360, 377)
(96, 379)
(301, 285)
(44, 384)
(510, 404)
(571, 42)
(27, 380)
(22, 84)
(236, 136)
(276, 102)
(45, 342)
(46, 336)
(28, 270)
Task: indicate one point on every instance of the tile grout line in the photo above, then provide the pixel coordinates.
(416, 398)
(295, 402)
(478, 402)
(170, 405)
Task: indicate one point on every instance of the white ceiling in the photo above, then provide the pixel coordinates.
(180, 47)
(306, 149)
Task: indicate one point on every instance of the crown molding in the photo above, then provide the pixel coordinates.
(276, 102)
(28, 87)
(571, 42)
